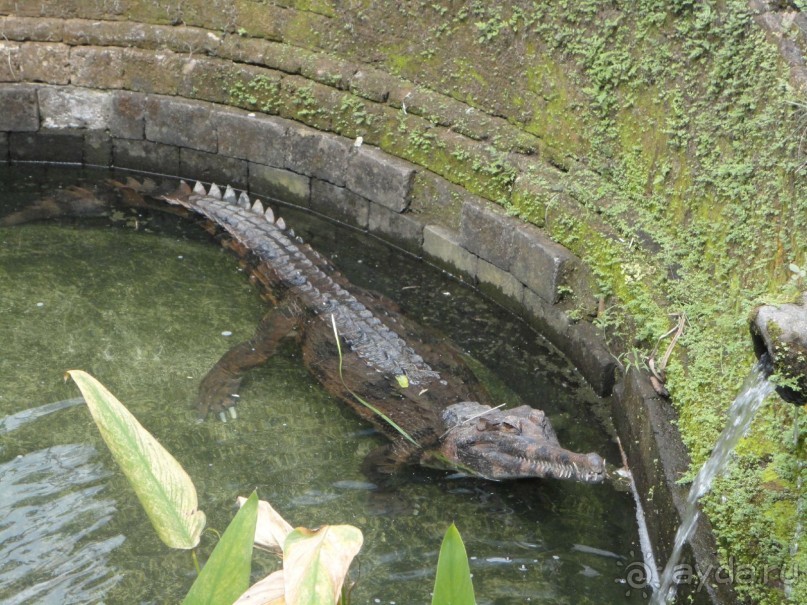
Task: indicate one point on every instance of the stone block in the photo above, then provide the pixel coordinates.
(212, 168)
(97, 148)
(243, 50)
(339, 203)
(586, 349)
(20, 108)
(279, 184)
(500, 285)
(255, 138)
(27, 28)
(371, 84)
(3, 147)
(202, 78)
(541, 264)
(436, 200)
(396, 228)
(380, 178)
(152, 72)
(442, 246)
(180, 123)
(128, 117)
(97, 67)
(68, 107)
(548, 320)
(47, 146)
(10, 69)
(488, 232)
(319, 155)
(45, 62)
(145, 155)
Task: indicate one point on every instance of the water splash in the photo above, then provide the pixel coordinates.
(742, 411)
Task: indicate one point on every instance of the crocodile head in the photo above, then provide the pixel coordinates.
(511, 444)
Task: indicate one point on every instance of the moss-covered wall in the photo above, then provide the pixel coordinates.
(661, 141)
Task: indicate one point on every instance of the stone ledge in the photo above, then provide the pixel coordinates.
(647, 426)
(20, 108)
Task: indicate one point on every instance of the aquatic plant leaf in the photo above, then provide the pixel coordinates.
(453, 585)
(269, 591)
(315, 563)
(271, 529)
(164, 489)
(225, 576)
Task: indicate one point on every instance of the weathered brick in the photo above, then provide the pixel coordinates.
(10, 69)
(371, 84)
(74, 108)
(152, 72)
(45, 62)
(97, 148)
(3, 147)
(380, 178)
(20, 108)
(279, 184)
(318, 154)
(26, 28)
(128, 117)
(339, 203)
(541, 264)
(443, 247)
(47, 146)
(181, 123)
(500, 285)
(255, 138)
(146, 156)
(488, 232)
(97, 67)
(396, 228)
(212, 167)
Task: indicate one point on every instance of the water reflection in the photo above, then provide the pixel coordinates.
(51, 507)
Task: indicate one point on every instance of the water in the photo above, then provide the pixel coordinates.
(144, 304)
(742, 411)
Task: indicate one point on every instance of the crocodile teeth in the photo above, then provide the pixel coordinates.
(281, 224)
(243, 201)
(257, 207)
(199, 189)
(291, 233)
(270, 216)
(229, 195)
(214, 191)
(233, 413)
(222, 416)
(184, 189)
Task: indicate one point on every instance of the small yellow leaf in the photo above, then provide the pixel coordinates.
(403, 381)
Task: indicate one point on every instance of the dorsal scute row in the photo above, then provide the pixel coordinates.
(268, 237)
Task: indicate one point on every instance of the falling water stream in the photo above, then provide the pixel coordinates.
(742, 411)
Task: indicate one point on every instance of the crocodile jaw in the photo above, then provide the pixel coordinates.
(514, 444)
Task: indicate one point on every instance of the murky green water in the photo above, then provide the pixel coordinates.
(146, 312)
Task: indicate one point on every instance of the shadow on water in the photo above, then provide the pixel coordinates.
(148, 307)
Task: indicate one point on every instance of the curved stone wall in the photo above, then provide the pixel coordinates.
(417, 168)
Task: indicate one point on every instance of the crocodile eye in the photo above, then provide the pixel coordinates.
(511, 428)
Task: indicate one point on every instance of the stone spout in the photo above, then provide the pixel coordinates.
(780, 331)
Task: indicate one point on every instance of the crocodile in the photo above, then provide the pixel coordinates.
(422, 397)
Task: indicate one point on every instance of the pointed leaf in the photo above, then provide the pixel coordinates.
(272, 529)
(268, 591)
(163, 487)
(453, 586)
(315, 563)
(225, 576)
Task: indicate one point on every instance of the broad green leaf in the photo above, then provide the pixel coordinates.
(163, 487)
(225, 576)
(453, 586)
(315, 563)
(269, 591)
(271, 529)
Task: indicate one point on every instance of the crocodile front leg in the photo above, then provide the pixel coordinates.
(218, 390)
